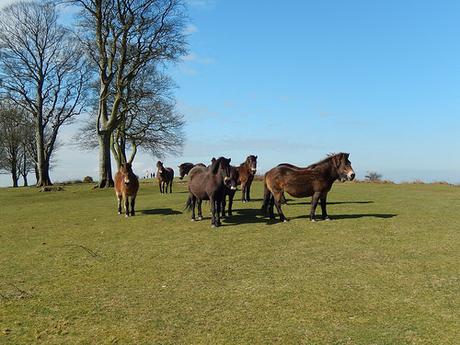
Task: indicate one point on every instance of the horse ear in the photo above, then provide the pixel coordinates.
(229, 160)
(256, 157)
(346, 155)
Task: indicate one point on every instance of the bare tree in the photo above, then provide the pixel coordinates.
(15, 131)
(43, 71)
(373, 176)
(123, 38)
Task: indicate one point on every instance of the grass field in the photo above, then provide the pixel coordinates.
(384, 271)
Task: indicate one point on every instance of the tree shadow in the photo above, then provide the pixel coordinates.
(161, 211)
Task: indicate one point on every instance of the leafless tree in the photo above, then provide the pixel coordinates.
(42, 70)
(15, 132)
(123, 38)
(373, 176)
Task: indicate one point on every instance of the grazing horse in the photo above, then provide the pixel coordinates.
(126, 187)
(246, 172)
(315, 180)
(208, 184)
(165, 178)
(185, 168)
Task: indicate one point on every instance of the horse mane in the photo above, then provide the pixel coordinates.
(328, 158)
(215, 165)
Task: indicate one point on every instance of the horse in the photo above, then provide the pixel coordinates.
(165, 178)
(243, 175)
(126, 187)
(246, 172)
(185, 168)
(316, 181)
(230, 190)
(208, 184)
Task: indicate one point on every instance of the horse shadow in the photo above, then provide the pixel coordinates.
(247, 216)
(160, 211)
(352, 216)
(291, 202)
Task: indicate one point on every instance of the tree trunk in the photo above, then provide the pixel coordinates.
(105, 168)
(14, 176)
(24, 177)
(43, 165)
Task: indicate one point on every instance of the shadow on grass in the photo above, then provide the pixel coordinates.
(247, 216)
(162, 211)
(351, 216)
(292, 202)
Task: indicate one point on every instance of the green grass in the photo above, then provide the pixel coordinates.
(384, 271)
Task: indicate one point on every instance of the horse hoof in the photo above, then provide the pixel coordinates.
(200, 218)
(192, 220)
(126, 216)
(119, 212)
(327, 219)
(285, 221)
(313, 220)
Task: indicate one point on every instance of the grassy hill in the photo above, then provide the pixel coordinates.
(386, 270)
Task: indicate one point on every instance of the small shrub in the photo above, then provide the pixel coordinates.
(373, 176)
(88, 179)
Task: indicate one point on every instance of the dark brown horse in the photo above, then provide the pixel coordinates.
(246, 172)
(230, 190)
(316, 181)
(185, 168)
(208, 184)
(126, 187)
(165, 178)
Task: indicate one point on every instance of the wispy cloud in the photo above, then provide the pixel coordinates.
(4, 3)
(195, 58)
(201, 3)
(190, 29)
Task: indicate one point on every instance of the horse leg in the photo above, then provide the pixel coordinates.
(224, 201)
(218, 206)
(119, 197)
(160, 186)
(230, 202)
(243, 192)
(323, 207)
(277, 198)
(193, 207)
(271, 213)
(170, 186)
(133, 201)
(126, 205)
(200, 213)
(314, 203)
(248, 189)
(212, 204)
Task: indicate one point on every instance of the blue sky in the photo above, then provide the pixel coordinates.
(292, 81)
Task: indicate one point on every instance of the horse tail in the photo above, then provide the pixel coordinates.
(267, 197)
(188, 204)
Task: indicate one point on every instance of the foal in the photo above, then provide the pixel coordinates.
(315, 180)
(246, 172)
(126, 187)
(165, 178)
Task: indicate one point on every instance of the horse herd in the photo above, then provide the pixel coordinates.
(220, 179)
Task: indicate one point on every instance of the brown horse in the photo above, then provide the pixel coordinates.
(316, 181)
(246, 172)
(230, 190)
(126, 187)
(208, 184)
(185, 168)
(165, 178)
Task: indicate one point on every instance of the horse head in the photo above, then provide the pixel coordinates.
(343, 166)
(126, 171)
(251, 163)
(160, 167)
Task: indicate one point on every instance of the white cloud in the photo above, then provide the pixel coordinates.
(193, 57)
(190, 29)
(4, 3)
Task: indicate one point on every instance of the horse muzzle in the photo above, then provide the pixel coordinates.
(351, 175)
(127, 181)
(253, 170)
